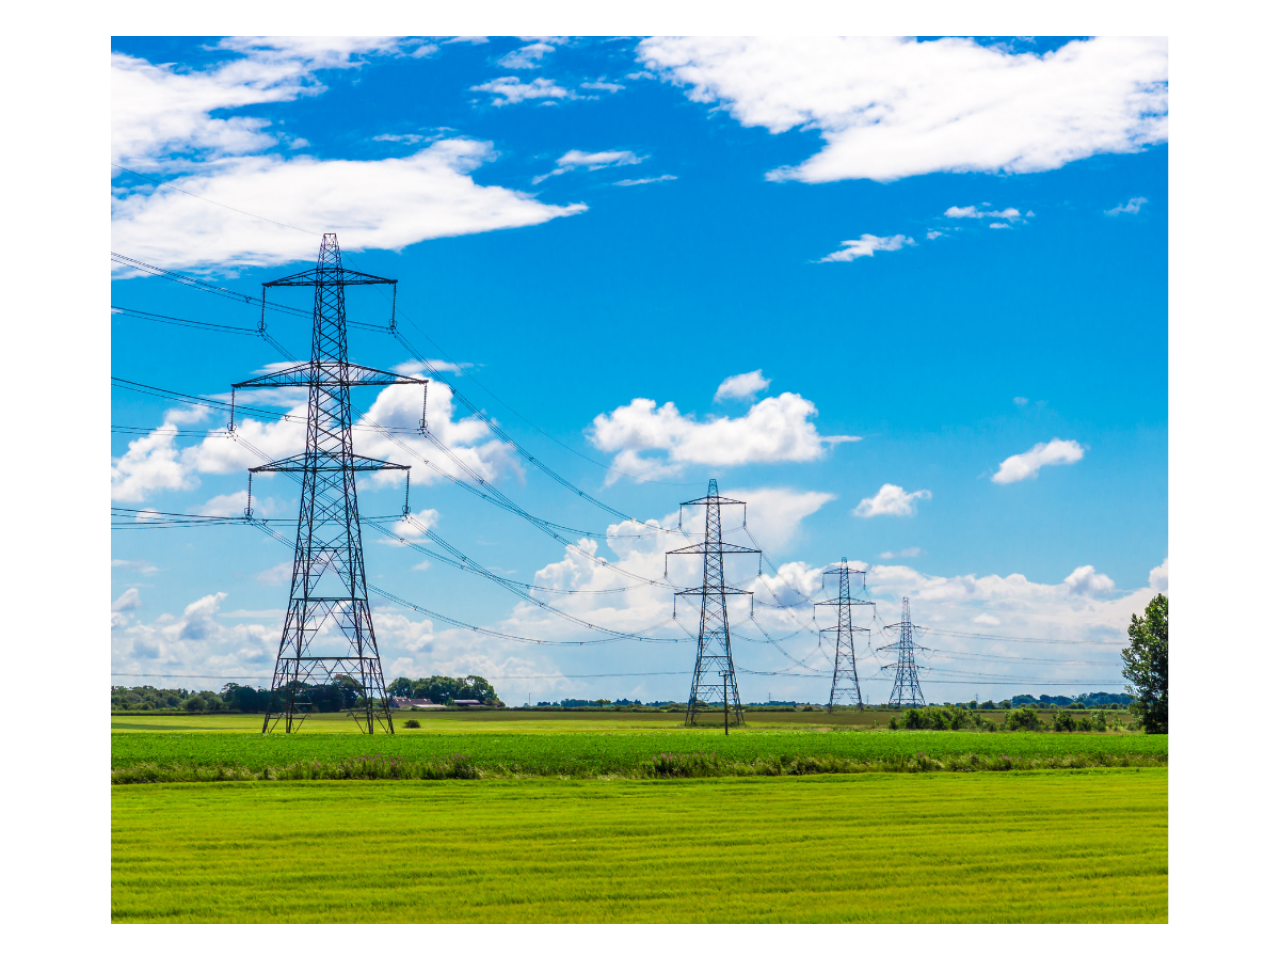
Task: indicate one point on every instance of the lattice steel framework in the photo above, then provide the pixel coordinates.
(906, 682)
(713, 675)
(844, 679)
(328, 639)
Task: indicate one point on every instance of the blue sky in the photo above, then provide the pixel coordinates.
(954, 251)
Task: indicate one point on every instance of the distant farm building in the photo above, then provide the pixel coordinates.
(414, 703)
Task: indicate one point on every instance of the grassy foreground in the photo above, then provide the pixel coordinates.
(1060, 846)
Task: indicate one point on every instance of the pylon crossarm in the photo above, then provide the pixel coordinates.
(713, 548)
(328, 374)
(326, 462)
(313, 277)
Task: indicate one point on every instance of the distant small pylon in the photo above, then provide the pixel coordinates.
(906, 681)
(844, 679)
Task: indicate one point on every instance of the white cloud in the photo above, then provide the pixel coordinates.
(774, 514)
(891, 501)
(592, 161)
(279, 575)
(129, 600)
(149, 464)
(867, 247)
(1021, 401)
(774, 430)
(155, 463)
(742, 386)
(908, 552)
(138, 566)
(602, 85)
(643, 180)
(892, 107)
(1133, 206)
(1026, 466)
(1158, 579)
(412, 368)
(933, 234)
(529, 55)
(986, 620)
(233, 504)
(509, 90)
(975, 213)
(1085, 581)
(160, 117)
(374, 204)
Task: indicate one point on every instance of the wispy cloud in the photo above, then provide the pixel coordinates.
(509, 90)
(576, 159)
(1026, 466)
(1133, 206)
(866, 246)
(644, 180)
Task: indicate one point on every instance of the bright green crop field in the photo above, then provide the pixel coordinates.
(1049, 846)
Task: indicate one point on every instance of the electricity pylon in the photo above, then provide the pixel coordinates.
(713, 674)
(906, 682)
(327, 649)
(844, 680)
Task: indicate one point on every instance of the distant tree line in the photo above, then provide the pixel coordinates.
(343, 693)
(446, 689)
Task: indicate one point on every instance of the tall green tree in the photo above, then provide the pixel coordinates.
(1146, 665)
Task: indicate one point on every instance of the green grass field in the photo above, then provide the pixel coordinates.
(589, 754)
(1059, 846)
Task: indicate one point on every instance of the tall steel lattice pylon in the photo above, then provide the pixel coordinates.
(906, 681)
(713, 675)
(328, 653)
(844, 679)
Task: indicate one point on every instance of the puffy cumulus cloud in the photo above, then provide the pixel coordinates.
(1133, 206)
(1085, 581)
(424, 519)
(279, 575)
(775, 514)
(866, 246)
(129, 600)
(1026, 466)
(894, 107)
(742, 386)
(154, 463)
(243, 644)
(149, 464)
(891, 501)
(775, 430)
(1158, 579)
(161, 117)
(372, 204)
(509, 90)
(575, 159)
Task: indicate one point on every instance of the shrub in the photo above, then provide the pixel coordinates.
(411, 724)
(1023, 718)
(1064, 722)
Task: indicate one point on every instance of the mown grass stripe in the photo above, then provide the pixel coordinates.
(1061, 846)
